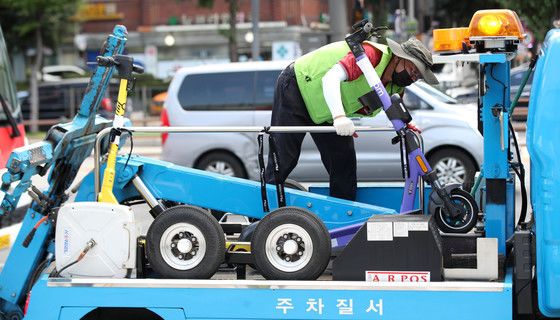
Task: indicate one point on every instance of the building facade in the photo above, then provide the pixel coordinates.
(167, 34)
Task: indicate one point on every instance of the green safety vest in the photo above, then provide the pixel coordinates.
(311, 68)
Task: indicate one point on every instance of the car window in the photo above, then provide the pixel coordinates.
(264, 89)
(217, 91)
(413, 102)
(435, 93)
(7, 89)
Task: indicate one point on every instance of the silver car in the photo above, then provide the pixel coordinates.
(241, 94)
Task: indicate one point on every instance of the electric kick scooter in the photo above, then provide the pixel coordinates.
(454, 210)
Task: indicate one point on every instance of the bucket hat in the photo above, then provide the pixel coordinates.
(414, 51)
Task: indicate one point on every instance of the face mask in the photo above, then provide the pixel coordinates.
(402, 79)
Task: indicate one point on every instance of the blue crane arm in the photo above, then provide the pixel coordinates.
(61, 153)
(66, 145)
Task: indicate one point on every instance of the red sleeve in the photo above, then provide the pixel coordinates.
(349, 62)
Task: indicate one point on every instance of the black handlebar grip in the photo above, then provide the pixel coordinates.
(29, 237)
(359, 24)
(396, 98)
(138, 69)
(105, 61)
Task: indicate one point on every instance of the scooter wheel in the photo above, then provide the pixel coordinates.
(462, 223)
(291, 243)
(185, 242)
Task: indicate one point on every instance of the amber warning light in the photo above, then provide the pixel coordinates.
(489, 30)
(451, 40)
(496, 23)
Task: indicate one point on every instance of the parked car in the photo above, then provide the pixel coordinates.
(12, 133)
(60, 100)
(469, 94)
(60, 72)
(241, 94)
(464, 94)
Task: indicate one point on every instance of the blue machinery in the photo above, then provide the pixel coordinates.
(60, 298)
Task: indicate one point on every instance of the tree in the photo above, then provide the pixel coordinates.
(453, 13)
(32, 25)
(231, 33)
(232, 36)
(538, 15)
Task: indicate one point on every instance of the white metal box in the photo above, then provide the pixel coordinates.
(113, 229)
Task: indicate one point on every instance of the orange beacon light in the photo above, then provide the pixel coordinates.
(501, 23)
(495, 30)
(450, 40)
(489, 30)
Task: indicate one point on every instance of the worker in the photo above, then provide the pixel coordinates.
(322, 88)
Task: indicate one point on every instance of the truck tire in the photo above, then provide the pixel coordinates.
(185, 242)
(291, 243)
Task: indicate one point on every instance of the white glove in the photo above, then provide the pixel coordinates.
(344, 126)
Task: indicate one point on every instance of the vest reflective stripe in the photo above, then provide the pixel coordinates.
(311, 68)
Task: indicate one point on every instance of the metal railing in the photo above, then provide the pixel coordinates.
(249, 129)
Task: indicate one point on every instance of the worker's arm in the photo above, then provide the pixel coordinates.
(331, 92)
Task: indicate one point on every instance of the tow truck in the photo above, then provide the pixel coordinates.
(395, 266)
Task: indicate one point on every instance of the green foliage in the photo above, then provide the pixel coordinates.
(537, 15)
(149, 80)
(21, 18)
(206, 3)
(380, 9)
(454, 13)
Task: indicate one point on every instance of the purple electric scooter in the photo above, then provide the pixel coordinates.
(454, 209)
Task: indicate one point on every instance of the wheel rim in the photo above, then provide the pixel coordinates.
(182, 246)
(459, 222)
(289, 248)
(450, 170)
(220, 167)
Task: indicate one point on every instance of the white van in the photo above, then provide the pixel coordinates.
(241, 94)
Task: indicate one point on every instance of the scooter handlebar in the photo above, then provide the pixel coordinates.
(106, 61)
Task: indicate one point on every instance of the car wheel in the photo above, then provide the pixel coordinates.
(222, 163)
(293, 184)
(453, 166)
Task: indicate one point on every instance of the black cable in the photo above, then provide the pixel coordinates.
(37, 273)
(90, 244)
(57, 273)
(521, 176)
(521, 172)
(500, 82)
(131, 146)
